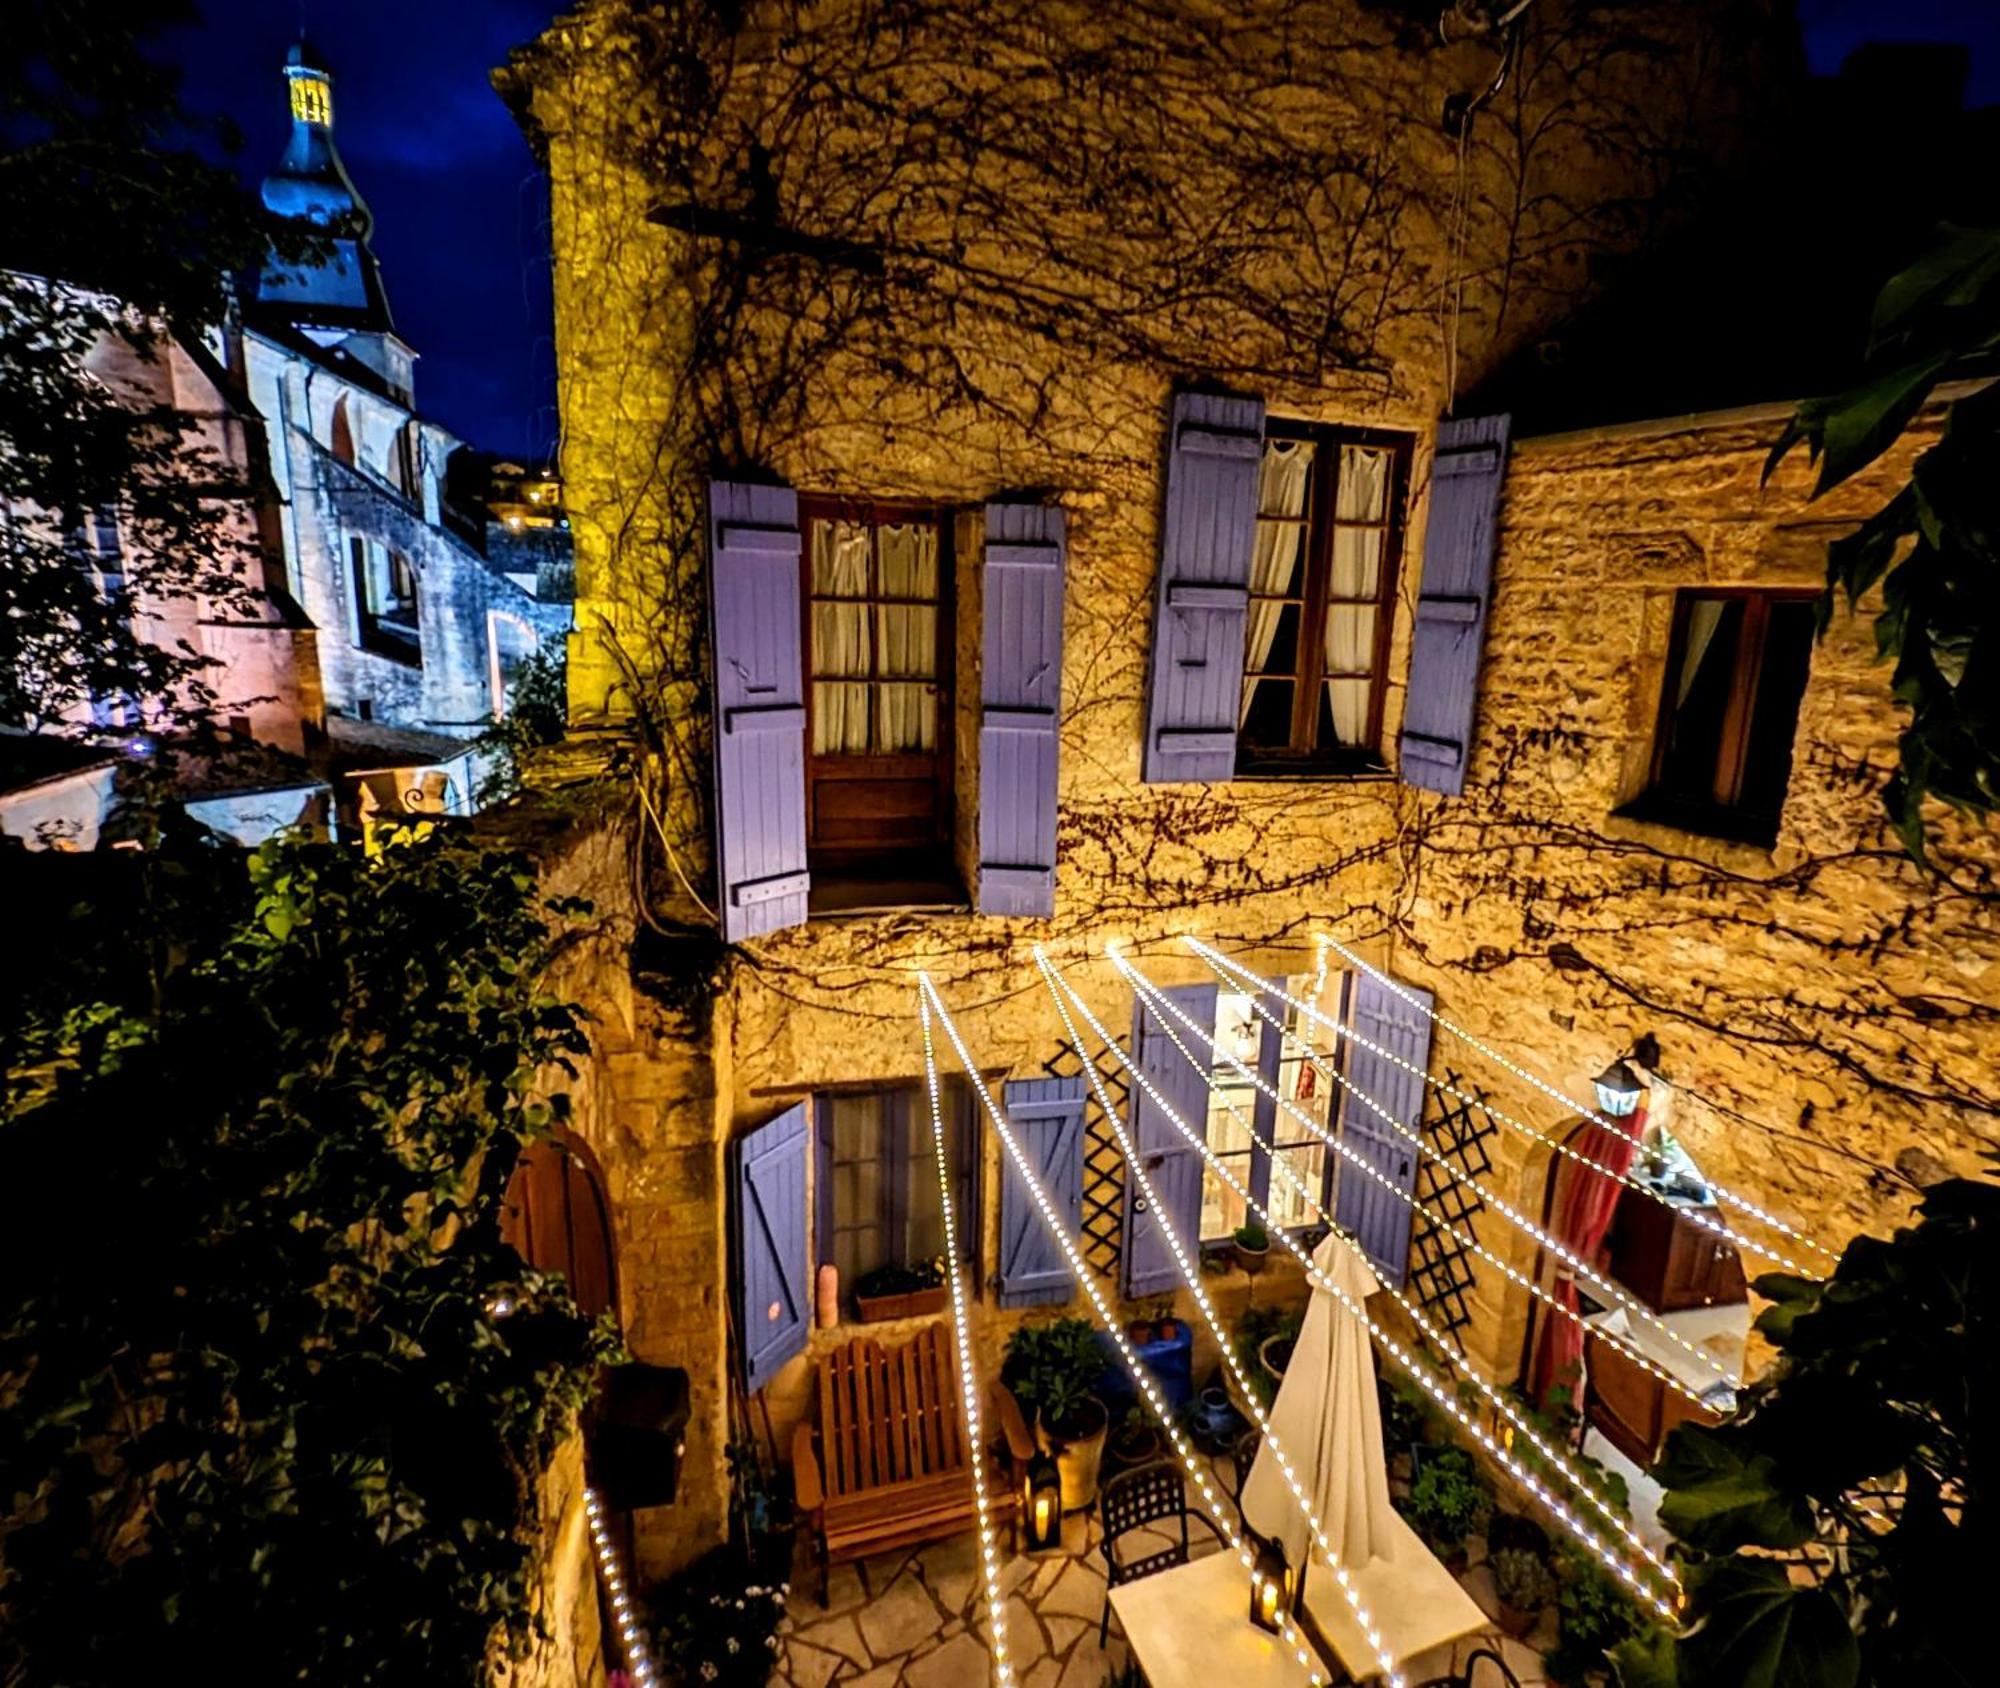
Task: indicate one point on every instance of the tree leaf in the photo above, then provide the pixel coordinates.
(1757, 1629)
(1722, 1496)
(1650, 1659)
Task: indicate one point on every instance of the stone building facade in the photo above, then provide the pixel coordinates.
(1003, 306)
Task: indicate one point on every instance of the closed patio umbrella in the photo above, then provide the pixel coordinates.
(1329, 1421)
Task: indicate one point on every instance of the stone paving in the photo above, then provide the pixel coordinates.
(915, 1619)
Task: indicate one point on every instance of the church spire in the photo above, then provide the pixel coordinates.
(337, 286)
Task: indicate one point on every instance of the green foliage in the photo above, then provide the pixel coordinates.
(896, 1277)
(537, 716)
(718, 1629)
(278, 1395)
(1521, 1578)
(1053, 1368)
(1448, 1500)
(1935, 546)
(1407, 1416)
(1594, 1614)
(87, 119)
(1253, 1237)
(1853, 1465)
(1256, 1327)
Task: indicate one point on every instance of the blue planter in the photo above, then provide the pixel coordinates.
(1170, 1363)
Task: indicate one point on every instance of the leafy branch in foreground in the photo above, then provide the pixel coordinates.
(1832, 1526)
(1935, 546)
(278, 1396)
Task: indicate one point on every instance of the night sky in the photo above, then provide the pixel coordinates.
(459, 211)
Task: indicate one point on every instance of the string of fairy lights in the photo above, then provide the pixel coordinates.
(1421, 1374)
(1645, 1573)
(624, 1609)
(1198, 1476)
(968, 1380)
(1633, 1308)
(1236, 975)
(1169, 1011)
(1727, 1197)
(1502, 1405)
(1191, 1274)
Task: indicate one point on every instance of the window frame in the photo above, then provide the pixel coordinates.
(1264, 1109)
(1720, 817)
(907, 1125)
(938, 764)
(1316, 601)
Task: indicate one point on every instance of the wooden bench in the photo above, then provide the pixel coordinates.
(888, 1466)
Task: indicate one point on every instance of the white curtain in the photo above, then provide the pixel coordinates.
(1704, 622)
(907, 713)
(1363, 496)
(1282, 479)
(840, 637)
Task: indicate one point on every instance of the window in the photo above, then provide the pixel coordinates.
(385, 601)
(1240, 1030)
(878, 772)
(1322, 579)
(878, 1184)
(1729, 709)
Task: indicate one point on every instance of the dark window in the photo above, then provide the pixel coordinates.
(343, 433)
(878, 1180)
(1322, 580)
(878, 650)
(385, 601)
(1722, 749)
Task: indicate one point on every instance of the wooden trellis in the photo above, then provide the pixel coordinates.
(1103, 1165)
(1441, 1272)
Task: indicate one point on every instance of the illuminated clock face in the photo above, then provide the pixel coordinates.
(312, 100)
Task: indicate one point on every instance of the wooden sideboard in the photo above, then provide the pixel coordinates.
(1667, 1260)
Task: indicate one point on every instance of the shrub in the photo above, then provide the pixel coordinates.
(1593, 1614)
(1521, 1578)
(1252, 1236)
(716, 1628)
(1448, 1500)
(1053, 1368)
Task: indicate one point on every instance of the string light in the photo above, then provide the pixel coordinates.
(1235, 973)
(624, 1610)
(1191, 1274)
(1494, 1397)
(968, 1383)
(1412, 1367)
(1741, 1203)
(1142, 1378)
(1167, 1007)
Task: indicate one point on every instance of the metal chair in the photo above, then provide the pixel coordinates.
(1243, 1455)
(1471, 1677)
(1144, 1496)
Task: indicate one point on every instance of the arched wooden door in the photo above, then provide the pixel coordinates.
(558, 1219)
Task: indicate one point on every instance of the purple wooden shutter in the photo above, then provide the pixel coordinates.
(1208, 529)
(1373, 1214)
(1020, 693)
(1172, 1163)
(773, 1272)
(760, 716)
(1047, 1117)
(1452, 602)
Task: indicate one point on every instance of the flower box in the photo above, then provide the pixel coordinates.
(910, 1304)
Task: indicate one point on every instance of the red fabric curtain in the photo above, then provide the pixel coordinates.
(1579, 1219)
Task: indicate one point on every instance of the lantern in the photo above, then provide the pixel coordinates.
(1270, 1585)
(1619, 1090)
(1042, 1504)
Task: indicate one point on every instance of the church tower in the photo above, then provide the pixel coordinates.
(332, 293)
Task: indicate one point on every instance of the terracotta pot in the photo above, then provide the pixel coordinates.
(1268, 1351)
(1168, 1330)
(1139, 1332)
(1079, 1454)
(1518, 1620)
(912, 1304)
(1251, 1260)
(1135, 1447)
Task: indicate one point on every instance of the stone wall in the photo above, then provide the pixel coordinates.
(729, 295)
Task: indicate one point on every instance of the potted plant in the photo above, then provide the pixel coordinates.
(1593, 1615)
(1051, 1369)
(1523, 1585)
(1259, 1329)
(1252, 1244)
(1448, 1502)
(900, 1291)
(1136, 1441)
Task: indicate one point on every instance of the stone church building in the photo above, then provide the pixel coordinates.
(1041, 477)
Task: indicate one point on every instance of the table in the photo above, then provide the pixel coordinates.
(1190, 1627)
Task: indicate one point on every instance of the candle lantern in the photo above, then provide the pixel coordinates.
(1270, 1585)
(1042, 1504)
